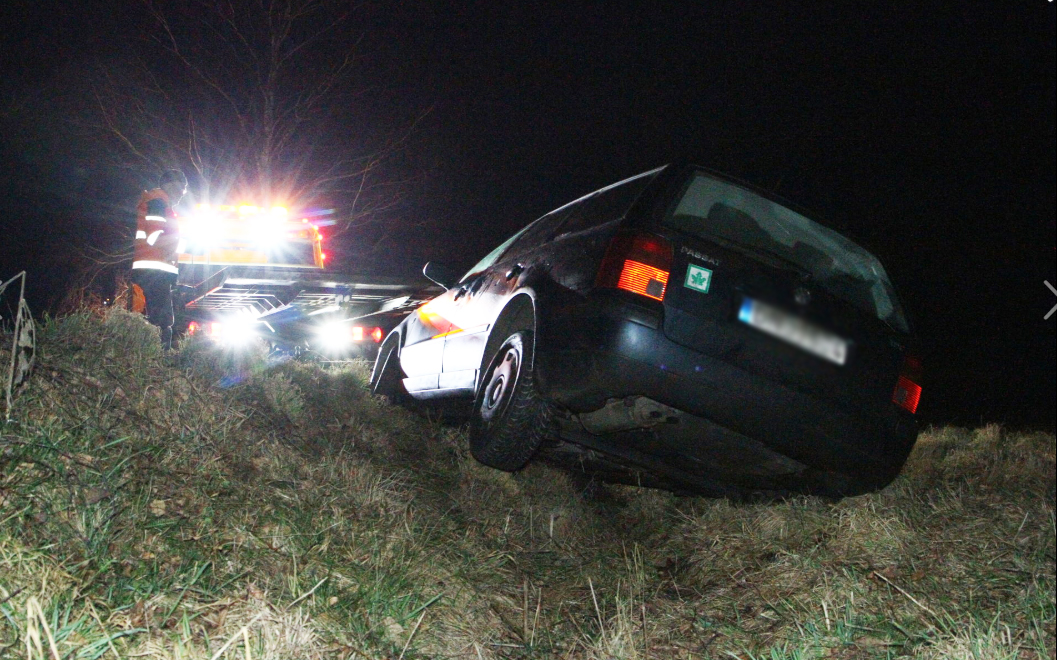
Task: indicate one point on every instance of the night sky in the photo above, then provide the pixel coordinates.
(926, 130)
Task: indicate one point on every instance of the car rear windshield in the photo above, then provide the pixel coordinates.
(756, 226)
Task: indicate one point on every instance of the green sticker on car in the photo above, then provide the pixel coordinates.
(698, 278)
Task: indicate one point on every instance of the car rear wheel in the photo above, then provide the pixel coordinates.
(386, 379)
(510, 419)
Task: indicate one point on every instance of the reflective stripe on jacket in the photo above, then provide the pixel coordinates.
(157, 232)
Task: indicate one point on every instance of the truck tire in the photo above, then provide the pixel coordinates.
(386, 379)
(510, 420)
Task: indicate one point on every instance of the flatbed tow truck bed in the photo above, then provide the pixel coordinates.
(265, 289)
(288, 306)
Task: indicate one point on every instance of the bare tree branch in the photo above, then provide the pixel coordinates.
(259, 99)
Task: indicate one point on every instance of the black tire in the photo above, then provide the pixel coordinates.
(510, 420)
(387, 378)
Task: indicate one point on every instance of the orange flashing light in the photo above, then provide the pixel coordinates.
(642, 279)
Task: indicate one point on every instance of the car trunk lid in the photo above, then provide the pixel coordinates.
(769, 318)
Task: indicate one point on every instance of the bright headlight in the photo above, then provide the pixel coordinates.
(198, 232)
(334, 335)
(234, 330)
(271, 234)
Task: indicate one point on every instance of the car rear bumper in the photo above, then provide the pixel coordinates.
(620, 351)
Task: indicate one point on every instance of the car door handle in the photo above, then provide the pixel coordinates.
(514, 271)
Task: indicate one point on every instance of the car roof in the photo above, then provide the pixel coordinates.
(612, 185)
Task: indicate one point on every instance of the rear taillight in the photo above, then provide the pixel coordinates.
(192, 328)
(639, 263)
(907, 392)
(359, 333)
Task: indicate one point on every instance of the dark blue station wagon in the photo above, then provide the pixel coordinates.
(678, 328)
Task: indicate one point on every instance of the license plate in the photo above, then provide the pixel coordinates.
(793, 330)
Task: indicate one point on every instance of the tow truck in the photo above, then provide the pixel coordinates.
(250, 272)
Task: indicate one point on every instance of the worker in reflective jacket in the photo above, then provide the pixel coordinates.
(157, 241)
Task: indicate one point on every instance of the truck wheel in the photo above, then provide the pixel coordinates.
(510, 419)
(386, 379)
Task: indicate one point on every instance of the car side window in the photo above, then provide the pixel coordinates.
(608, 204)
(539, 232)
(494, 255)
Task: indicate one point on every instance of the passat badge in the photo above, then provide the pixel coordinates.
(698, 278)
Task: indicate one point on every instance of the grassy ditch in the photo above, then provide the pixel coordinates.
(206, 505)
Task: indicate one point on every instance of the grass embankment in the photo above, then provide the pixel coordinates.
(204, 506)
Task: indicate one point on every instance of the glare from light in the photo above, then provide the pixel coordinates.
(334, 335)
(271, 234)
(235, 331)
(198, 232)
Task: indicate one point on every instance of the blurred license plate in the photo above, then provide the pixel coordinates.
(793, 330)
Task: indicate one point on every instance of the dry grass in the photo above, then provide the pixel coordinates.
(210, 505)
